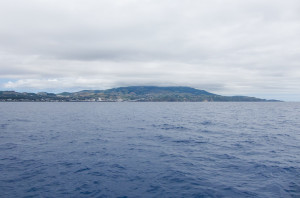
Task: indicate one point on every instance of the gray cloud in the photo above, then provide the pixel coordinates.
(232, 47)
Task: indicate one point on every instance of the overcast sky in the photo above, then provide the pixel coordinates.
(229, 47)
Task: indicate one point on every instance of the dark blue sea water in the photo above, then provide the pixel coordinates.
(150, 149)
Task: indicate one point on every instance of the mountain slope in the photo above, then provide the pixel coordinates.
(142, 90)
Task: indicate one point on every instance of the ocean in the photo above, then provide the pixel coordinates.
(149, 149)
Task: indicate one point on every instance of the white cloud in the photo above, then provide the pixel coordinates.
(232, 47)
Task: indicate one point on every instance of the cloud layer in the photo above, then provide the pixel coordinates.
(246, 47)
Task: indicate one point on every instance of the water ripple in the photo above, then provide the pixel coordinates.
(149, 150)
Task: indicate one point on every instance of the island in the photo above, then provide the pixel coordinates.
(128, 94)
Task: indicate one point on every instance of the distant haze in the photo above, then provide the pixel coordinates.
(228, 47)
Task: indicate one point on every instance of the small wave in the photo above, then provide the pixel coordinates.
(82, 170)
(293, 189)
(96, 173)
(153, 188)
(208, 131)
(170, 127)
(190, 141)
(224, 156)
(162, 138)
(8, 146)
(183, 141)
(118, 166)
(3, 126)
(206, 123)
(19, 120)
